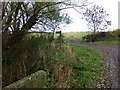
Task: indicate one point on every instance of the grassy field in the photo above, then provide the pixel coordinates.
(75, 35)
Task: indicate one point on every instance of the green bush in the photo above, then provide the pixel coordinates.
(95, 37)
(115, 33)
(21, 60)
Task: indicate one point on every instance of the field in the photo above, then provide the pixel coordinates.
(113, 38)
(77, 36)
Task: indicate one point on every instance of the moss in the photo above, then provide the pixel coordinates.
(35, 80)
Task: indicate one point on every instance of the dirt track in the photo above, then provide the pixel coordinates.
(110, 54)
(110, 59)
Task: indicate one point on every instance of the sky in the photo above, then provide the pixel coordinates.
(80, 25)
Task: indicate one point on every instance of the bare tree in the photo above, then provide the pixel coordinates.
(96, 18)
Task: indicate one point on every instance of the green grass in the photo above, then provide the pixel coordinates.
(77, 36)
(87, 67)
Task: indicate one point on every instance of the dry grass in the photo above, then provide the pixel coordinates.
(69, 52)
(63, 70)
(62, 73)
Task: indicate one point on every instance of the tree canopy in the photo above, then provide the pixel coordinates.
(19, 17)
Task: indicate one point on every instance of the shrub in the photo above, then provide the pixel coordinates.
(21, 60)
(115, 33)
(37, 53)
(99, 36)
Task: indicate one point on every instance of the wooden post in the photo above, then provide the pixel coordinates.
(60, 37)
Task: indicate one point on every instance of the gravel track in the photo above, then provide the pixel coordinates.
(111, 62)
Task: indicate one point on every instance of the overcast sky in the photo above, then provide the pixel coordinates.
(78, 25)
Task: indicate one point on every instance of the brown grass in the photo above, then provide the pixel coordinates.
(62, 73)
(69, 52)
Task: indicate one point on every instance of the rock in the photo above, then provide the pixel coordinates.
(35, 80)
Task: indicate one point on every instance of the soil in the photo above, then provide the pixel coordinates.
(111, 75)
